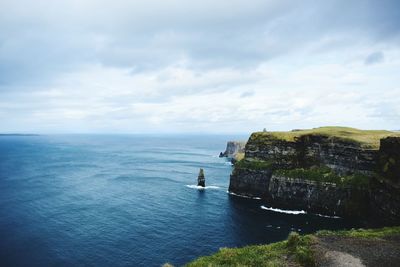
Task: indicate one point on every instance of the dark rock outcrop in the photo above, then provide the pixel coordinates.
(316, 197)
(389, 158)
(251, 183)
(201, 180)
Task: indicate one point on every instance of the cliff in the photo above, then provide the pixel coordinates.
(234, 150)
(333, 171)
(360, 247)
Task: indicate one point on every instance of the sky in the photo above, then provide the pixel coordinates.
(178, 66)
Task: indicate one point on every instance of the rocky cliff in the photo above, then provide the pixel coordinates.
(234, 150)
(331, 171)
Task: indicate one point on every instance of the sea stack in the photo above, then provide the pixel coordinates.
(201, 180)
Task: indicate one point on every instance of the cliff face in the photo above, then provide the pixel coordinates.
(316, 197)
(322, 174)
(233, 150)
(309, 150)
(250, 183)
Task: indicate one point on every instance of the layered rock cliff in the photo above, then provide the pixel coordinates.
(234, 150)
(332, 171)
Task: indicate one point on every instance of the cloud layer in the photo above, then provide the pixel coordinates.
(212, 66)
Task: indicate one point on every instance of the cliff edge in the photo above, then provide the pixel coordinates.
(361, 247)
(335, 171)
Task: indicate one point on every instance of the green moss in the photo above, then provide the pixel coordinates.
(325, 174)
(262, 255)
(364, 138)
(320, 174)
(239, 156)
(254, 164)
(364, 233)
(297, 247)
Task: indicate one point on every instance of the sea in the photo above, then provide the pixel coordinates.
(129, 200)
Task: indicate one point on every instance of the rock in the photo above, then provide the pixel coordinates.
(232, 149)
(201, 180)
(306, 151)
(251, 183)
(389, 158)
(378, 203)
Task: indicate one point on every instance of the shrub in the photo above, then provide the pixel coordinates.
(293, 240)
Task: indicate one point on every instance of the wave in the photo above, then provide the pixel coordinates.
(294, 212)
(327, 216)
(243, 196)
(193, 186)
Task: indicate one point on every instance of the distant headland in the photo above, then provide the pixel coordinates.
(18, 134)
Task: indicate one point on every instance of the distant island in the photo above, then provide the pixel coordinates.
(17, 134)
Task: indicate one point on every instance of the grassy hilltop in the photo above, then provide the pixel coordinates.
(365, 138)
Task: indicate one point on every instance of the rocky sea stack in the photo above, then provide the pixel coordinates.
(201, 180)
(334, 171)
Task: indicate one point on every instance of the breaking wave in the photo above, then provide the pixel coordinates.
(233, 194)
(295, 212)
(327, 216)
(193, 186)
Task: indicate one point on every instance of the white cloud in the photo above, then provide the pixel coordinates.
(179, 66)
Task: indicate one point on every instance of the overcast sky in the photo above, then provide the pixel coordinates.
(92, 66)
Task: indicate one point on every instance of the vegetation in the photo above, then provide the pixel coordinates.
(325, 174)
(254, 164)
(364, 138)
(364, 233)
(296, 248)
(239, 156)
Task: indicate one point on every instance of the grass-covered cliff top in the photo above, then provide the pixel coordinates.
(307, 250)
(366, 138)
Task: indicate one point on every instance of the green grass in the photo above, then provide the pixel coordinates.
(296, 248)
(262, 255)
(325, 174)
(239, 156)
(364, 233)
(254, 164)
(364, 138)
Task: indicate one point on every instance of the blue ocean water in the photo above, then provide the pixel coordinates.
(127, 200)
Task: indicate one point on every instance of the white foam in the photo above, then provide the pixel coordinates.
(295, 212)
(194, 186)
(327, 216)
(237, 195)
